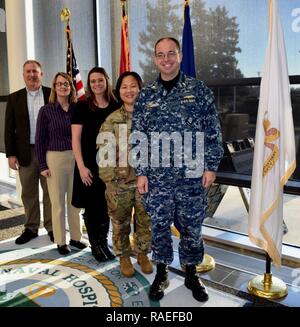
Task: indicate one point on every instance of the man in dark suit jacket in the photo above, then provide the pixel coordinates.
(20, 122)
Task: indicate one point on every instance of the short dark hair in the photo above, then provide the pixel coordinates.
(168, 38)
(120, 80)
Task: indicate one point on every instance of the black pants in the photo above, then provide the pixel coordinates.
(96, 221)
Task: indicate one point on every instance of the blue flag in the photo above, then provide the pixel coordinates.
(188, 60)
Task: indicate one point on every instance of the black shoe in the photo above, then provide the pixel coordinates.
(106, 251)
(98, 254)
(51, 236)
(77, 244)
(193, 283)
(26, 236)
(63, 249)
(160, 283)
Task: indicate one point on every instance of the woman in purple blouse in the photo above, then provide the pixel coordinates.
(56, 160)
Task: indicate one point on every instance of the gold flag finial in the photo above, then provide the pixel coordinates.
(65, 15)
(123, 4)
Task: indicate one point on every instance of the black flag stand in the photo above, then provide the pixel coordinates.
(267, 286)
(268, 263)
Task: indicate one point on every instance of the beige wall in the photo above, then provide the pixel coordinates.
(16, 42)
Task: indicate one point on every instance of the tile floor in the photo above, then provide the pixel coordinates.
(229, 278)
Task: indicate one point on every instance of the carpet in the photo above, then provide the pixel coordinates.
(2, 208)
(39, 277)
(11, 222)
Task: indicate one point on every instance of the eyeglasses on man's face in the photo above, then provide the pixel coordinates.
(170, 54)
(64, 84)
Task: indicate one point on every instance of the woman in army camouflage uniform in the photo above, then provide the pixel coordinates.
(121, 192)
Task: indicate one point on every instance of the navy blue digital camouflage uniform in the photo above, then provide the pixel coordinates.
(172, 197)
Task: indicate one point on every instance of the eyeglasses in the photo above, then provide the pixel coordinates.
(60, 84)
(170, 54)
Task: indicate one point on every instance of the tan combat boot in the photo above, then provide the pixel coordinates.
(126, 267)
(145, 263)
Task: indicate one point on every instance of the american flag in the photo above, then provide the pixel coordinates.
(72, 68)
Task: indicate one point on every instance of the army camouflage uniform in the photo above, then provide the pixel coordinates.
(122, 195)
(172, 197)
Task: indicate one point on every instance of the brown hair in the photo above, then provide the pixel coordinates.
(168, 38)
(53, 95)
(108, 95)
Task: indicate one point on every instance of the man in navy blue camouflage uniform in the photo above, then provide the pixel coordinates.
(176, 103)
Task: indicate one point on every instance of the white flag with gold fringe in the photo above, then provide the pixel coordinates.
(274, 152)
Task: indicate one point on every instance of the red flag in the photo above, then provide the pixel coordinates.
(72, 68)
(125, 54)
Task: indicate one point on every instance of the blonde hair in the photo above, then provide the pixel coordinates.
(53, 95)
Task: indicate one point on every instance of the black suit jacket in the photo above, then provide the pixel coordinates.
(17, 126)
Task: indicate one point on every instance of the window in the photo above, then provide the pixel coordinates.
(50, 40)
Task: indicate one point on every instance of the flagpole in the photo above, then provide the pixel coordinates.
(268, 263)
(71, 64)
(132, 237)
(188, 67)
(267, 286)
(65, 16)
